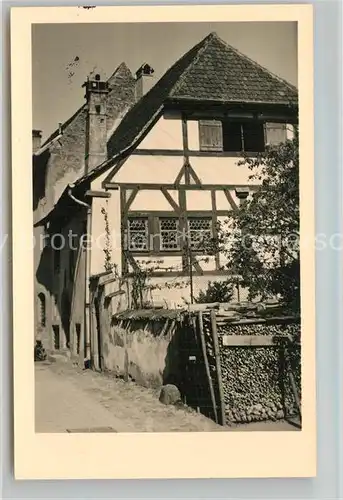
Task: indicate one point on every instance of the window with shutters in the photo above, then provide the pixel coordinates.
(210, 135)
(234, 136)
(276, 133)
(138, 234)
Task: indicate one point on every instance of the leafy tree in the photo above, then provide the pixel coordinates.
(217, 291)
(261, 239)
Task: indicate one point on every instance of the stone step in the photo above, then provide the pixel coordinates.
(58, 357)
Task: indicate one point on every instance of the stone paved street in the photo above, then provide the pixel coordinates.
(69, 399)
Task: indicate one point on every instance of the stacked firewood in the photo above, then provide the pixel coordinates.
(254, 385)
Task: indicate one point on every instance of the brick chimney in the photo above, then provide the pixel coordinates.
(144, 80)
(96, 128)
(36, 140)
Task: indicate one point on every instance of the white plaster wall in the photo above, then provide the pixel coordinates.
(112, 207)
(97, 183)
(198, 200)
(166, 134)
(223, 203)
(178, 297)
(290, 132)
(220, 170)
(153, 200)
(225, 227)
(165, 262)
(193, 135)
(207, 262)
(149, 169)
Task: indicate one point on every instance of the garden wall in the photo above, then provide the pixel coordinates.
(143, 346)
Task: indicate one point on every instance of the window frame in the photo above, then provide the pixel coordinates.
(153, 225)
(221, 123)
(177, 231)
(189, 232)
(147, 233)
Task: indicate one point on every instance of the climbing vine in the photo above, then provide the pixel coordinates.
(142, 285)
(109, 264)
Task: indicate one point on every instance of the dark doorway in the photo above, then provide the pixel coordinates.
(78, 337)
(42, 310)
(56, 336)
(65, 316)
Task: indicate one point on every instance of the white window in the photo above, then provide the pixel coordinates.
(276, 133)
(169, 234)
(138, 234)
(199, 232)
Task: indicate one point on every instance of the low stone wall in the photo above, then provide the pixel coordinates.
(255, 380)
(142, 350)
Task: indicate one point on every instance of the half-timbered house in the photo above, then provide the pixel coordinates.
(171, 173)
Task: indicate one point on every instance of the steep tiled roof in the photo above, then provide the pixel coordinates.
(221, 73)
(211, 71)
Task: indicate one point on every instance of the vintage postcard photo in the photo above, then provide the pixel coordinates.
(171, 274)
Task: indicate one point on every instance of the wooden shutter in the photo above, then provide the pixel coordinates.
(275, 133)
(210, 135)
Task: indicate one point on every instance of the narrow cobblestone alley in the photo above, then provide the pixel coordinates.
(68, 398)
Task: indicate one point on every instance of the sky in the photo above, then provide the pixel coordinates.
(64, 54)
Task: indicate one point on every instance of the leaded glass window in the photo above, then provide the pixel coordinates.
(138, 235)
(199, 232)
(169, 234)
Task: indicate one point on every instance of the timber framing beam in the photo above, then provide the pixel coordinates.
(181, 187)
(192, 153)
(182, 274)
(214, 225)
(130, 200)
(171, 200)
(98, 194)
(166, 213)
(230, 199)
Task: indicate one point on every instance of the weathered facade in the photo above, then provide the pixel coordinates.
(152, 188)
(70, 152)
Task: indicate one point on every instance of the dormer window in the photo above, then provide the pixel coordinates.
(231, 136)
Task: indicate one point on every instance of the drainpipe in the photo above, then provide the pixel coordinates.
(88, 319)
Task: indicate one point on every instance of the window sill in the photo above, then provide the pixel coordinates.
(227, 154)
(180, 152)
(169, 253)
